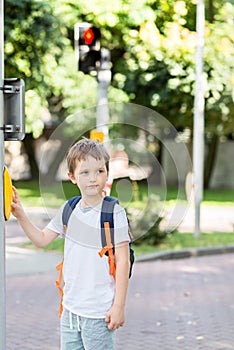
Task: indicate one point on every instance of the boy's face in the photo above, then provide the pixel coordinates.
(90, 175)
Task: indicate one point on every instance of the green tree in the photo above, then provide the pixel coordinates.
(39, 49)
(152, 45)
(158, 71)
(33, 37)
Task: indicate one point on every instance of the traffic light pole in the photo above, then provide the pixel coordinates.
(104, 79)
(2, 218)
(198, 135)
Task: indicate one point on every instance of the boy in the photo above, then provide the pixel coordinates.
(93, 303)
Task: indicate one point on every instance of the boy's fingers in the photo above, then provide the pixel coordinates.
(107, 318)
(15, 193)
(113, 326)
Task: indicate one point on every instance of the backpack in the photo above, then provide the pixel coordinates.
(107, 236)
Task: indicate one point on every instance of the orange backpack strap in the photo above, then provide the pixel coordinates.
(67, 210)
(59, 281)
(109, 248)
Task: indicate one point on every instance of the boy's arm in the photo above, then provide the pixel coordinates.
(115, 316)
(38, 237)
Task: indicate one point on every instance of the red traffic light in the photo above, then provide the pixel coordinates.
(89, 36)
(87, 46)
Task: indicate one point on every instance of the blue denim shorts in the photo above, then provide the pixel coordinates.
(81, 333)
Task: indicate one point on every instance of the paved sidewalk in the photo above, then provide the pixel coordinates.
(213, 219)
(32, 312)
(184, 304)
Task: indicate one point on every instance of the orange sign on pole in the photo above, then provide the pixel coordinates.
(97, 135)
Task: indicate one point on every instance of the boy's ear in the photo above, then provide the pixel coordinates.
(71, 177)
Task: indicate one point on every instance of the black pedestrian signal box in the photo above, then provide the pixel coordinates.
(14, 119)
(87, 47)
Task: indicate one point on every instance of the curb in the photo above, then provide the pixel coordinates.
(186, 253)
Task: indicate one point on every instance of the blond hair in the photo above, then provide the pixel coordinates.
(84, 148)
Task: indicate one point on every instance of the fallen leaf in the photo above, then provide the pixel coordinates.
(200, 337)
(180, 337)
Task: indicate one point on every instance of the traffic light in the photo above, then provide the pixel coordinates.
(87, 47)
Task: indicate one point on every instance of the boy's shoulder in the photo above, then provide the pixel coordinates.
(110, 205)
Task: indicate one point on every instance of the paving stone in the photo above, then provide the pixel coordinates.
(184, 304)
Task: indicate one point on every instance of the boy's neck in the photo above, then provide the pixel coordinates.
(91, 201)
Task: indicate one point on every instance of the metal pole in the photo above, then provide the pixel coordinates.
(198, 134)
(104, 79)
(2, 219)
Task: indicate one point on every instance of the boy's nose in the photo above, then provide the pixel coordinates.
(93, 177)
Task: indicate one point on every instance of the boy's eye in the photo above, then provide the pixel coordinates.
(100, 171)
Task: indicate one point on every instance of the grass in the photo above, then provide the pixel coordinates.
(30, 195)
(174, 241)
(177, 241)
(219, 197)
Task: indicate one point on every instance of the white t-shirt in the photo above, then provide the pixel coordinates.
(89, 288)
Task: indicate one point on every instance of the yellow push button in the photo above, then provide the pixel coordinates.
(8, 193)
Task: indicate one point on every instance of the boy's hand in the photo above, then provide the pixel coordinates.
(16, 207)
(115, 317)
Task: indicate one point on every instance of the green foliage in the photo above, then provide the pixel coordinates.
(145, 221)
(219, 68)
(34, 39)
(152, 46)
(31, 31)
(158, 69)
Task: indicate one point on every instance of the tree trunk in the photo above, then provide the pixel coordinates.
(156, 176)
(210, 159)
(49, 177)
(30, 150)
(211, 11)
